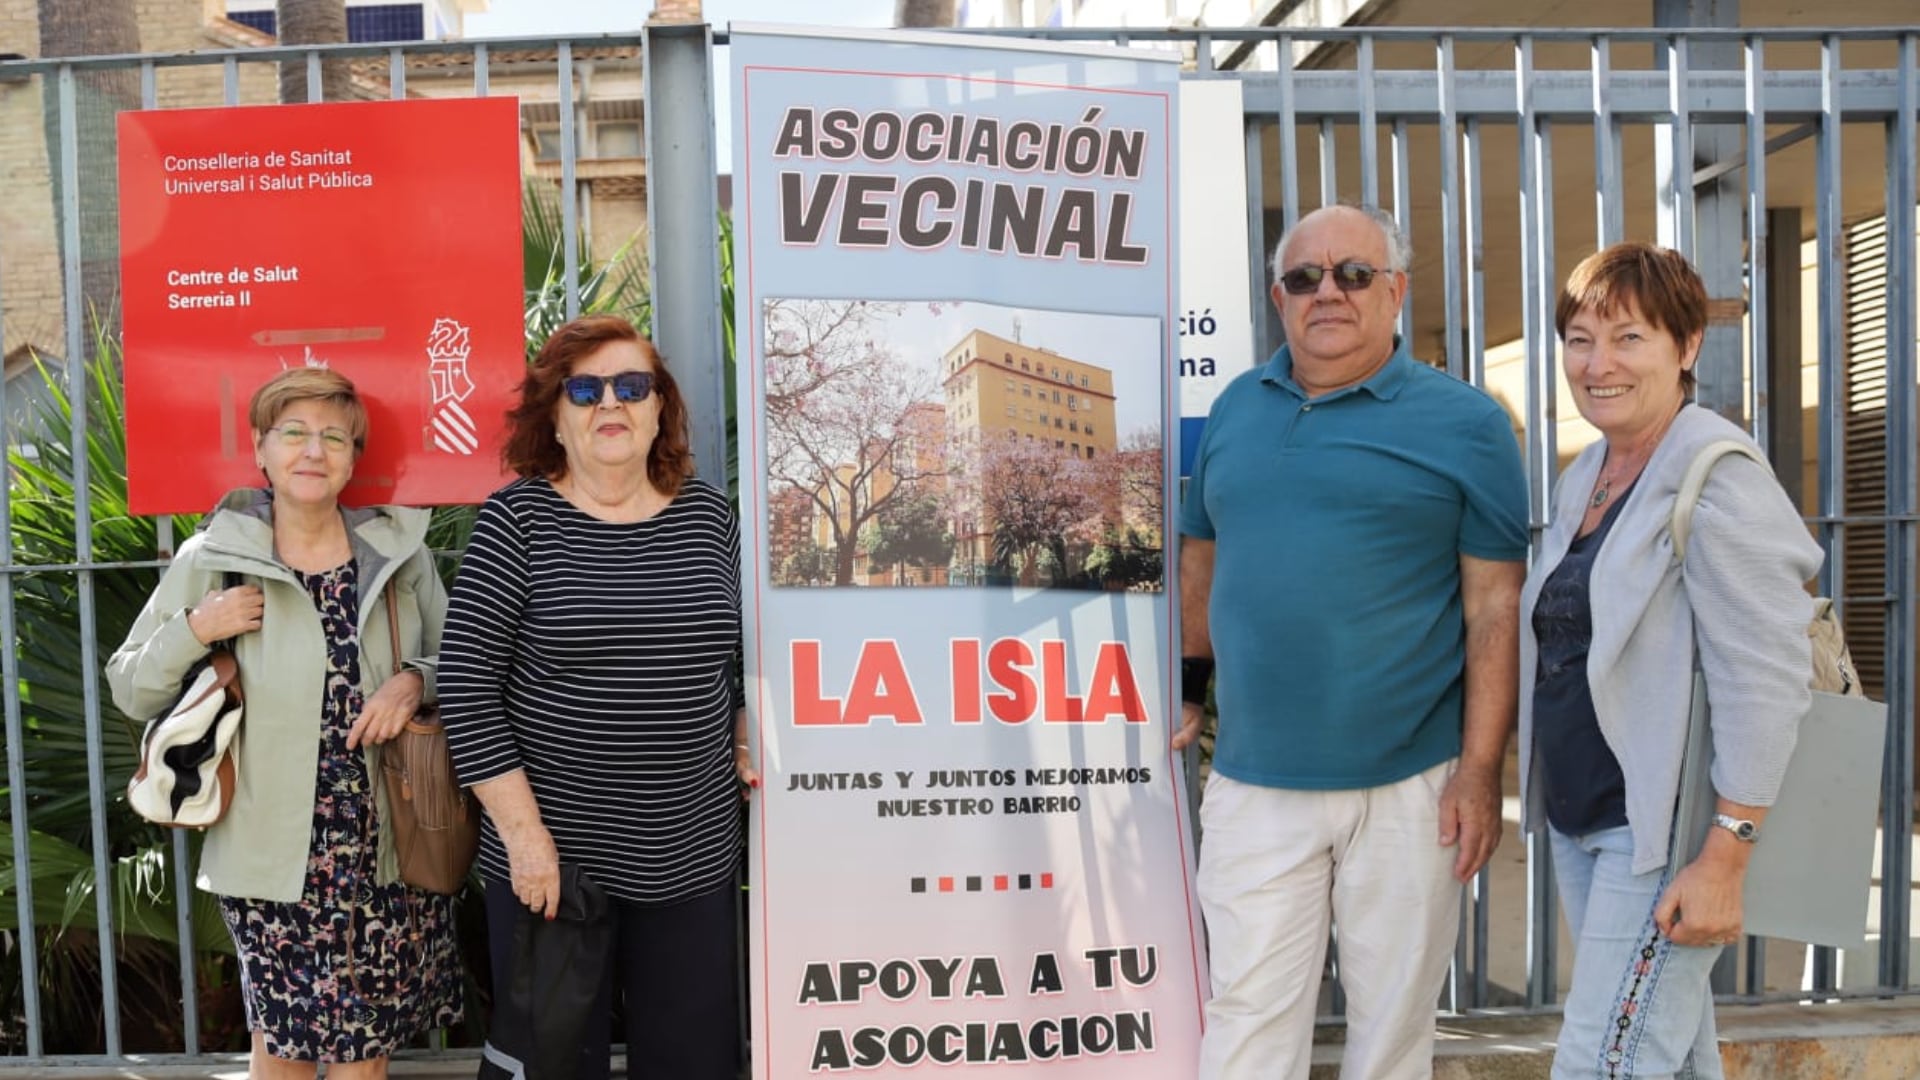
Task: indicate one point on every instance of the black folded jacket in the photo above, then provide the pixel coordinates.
(558, 966)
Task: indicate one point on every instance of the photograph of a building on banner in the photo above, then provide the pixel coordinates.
(957, 398)
(913, 444)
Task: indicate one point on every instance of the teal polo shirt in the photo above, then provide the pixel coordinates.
(1338, 525)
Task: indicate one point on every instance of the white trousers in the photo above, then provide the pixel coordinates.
(1277, 868)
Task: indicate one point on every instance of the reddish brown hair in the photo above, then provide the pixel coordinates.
(532, 448)
(1657, 282)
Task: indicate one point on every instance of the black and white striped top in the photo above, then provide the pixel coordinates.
(599, 657)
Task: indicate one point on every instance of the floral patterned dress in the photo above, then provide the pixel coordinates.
(353, 970)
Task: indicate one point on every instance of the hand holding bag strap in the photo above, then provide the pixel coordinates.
(236, 692)
(393, 640)
(230, 579)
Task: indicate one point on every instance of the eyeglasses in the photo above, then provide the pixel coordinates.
(1347, 277)
(628, 387)
(332, 440)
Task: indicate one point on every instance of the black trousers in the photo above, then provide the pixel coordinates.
(677, 967)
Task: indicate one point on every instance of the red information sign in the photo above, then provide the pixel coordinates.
(380, 239)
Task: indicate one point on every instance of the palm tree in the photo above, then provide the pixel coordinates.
(95, 28)
(312, 22)
(617, 286)
(923, 12)
(42, 499)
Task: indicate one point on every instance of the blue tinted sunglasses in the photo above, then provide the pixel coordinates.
(628, 387)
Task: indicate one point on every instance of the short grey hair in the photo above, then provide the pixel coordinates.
(1399, 247)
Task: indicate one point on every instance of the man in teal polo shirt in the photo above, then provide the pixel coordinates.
(1353, 545)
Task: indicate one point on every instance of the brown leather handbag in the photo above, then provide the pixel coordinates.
(435, 822)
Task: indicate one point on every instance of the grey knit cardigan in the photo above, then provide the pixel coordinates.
(1740, 597)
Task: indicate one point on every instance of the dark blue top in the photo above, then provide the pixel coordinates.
(1585, 790)
(1338, 525)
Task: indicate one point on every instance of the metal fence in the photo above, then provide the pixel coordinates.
(1488, 145)
(1535, 148)
(73, 102)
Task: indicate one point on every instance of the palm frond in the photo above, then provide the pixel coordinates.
(617, 286)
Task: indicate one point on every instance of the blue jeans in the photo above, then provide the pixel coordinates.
(1640, 1006)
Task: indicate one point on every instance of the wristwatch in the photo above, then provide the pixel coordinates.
(1743, 830)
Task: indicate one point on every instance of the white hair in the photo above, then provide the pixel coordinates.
(1399, 248)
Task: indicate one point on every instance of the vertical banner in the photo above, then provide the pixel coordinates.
(971, 847)
(380, 239)
(1216, 322)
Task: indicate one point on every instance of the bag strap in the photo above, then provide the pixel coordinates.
(1693, 809)
(1695, 482)
(393, 625)
(229, 579)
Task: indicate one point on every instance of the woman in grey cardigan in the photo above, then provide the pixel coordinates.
(1612, 628)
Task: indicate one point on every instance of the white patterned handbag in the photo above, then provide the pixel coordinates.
(190, 754)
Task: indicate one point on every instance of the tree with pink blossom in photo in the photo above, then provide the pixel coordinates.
(1026, 510)
(851, 424)
(1129, 552)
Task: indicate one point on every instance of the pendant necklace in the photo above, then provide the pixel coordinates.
(1600, 495)
(1605, 491)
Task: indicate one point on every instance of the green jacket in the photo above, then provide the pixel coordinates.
(259, 849)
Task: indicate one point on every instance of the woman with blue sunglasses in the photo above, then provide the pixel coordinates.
(589, 683)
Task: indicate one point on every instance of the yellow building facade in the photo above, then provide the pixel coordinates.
(995, 385)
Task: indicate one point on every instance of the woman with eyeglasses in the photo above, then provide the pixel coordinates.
(1613, 627)
(339, 961)
(589, 683)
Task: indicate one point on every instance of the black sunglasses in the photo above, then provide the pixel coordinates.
(628, 386)
(1347, 277)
